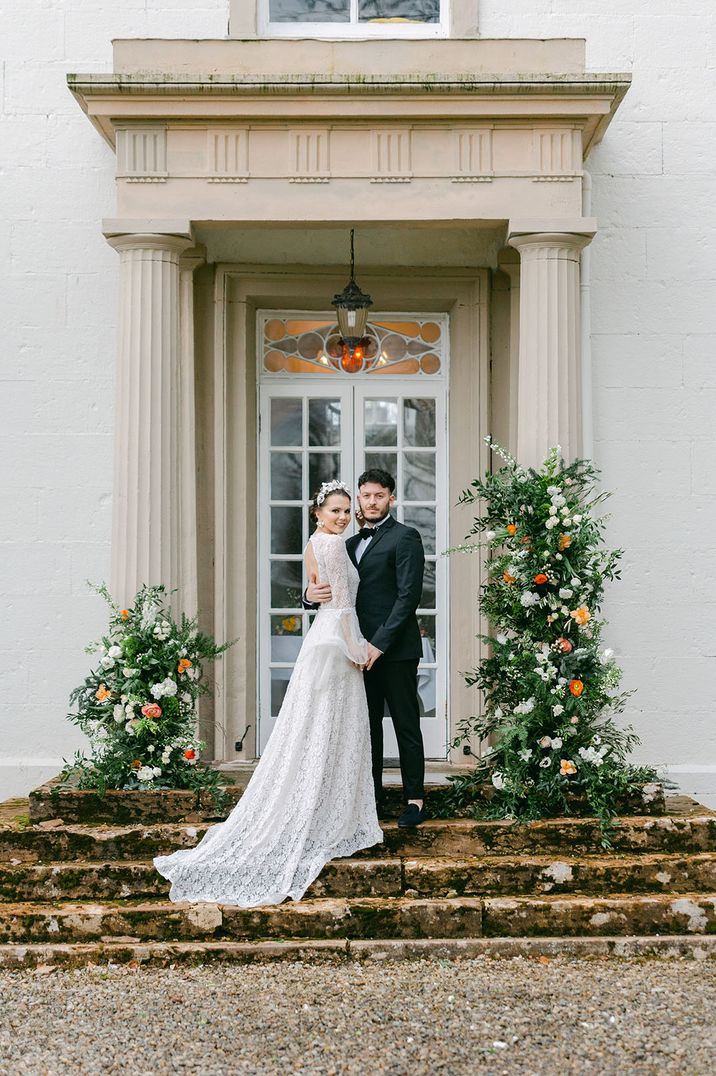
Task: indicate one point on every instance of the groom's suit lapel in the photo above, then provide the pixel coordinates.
(351, 546)
(380, 533)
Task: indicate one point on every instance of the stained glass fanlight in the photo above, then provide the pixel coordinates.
(352, 311)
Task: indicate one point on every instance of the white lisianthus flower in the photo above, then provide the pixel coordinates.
(498, 780)
(607, 655)
(545, 741)
(556, 743)
(186, 698)
(528, 598)
(127, 672)
(490, 536)
(557, 710)
(553, 509)
(145, 773)
(115, 652)
(129, 728)
(566, 522)
(558, 499)
(526, 754)
(565, 592)
(547, 761)
(107, 662)
(551, 523)
(157, 690)
(157, 771)
(118, 712)
(499, 714)
(576, 519)
(169, 686)
(576, 582)
(525, 707)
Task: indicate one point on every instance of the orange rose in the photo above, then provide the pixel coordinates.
(183, 665)
(101, 693)
(152, 709)
(124, 614)
(581, 615)
(511, 528)
(565, 541)
(508, 578)
(136, 764)
(564, 645)
(576, 687)
(190, 753)
(525, 540)
(540, 578)
(567, 767)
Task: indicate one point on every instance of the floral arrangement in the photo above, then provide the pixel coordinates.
(138, 705)
(549, 686)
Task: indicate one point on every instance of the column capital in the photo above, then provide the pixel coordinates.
(193, 257)
(172, 244)
(568, 236)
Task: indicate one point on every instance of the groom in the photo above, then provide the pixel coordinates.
(390, 561)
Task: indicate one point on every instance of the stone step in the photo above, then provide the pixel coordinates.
(360, 918)
(424, 877)
(48, 956)
(690, 831)
(368, 917)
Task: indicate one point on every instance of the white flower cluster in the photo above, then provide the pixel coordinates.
(529, 598)
(525, 707)
(161, 630)
(595, 755)
(166, 687)
(148, 773)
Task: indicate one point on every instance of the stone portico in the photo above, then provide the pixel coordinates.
(241, 166)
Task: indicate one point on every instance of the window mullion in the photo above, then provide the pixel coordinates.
(354, 12)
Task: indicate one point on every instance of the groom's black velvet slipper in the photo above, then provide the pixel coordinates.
(411, 816)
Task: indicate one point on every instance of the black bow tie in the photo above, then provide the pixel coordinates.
(366, 532)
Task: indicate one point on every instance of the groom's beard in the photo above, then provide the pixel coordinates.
(374, 520)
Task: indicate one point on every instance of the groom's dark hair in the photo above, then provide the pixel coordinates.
(381, 478)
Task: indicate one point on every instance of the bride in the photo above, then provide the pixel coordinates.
(311, 796)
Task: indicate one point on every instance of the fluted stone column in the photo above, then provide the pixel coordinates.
(549, 398)
(146, 507)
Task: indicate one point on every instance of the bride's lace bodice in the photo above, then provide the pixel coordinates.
(336, 623)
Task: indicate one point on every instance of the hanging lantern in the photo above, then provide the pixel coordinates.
(352, 311)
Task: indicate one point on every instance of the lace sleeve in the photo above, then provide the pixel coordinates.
(333, 566)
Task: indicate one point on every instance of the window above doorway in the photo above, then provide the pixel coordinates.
(354, 18)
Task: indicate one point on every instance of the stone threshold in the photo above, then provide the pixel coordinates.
(50, 957)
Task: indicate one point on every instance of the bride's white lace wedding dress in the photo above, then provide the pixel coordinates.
(311, 796)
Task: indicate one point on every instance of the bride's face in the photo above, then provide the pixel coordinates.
(334, 513)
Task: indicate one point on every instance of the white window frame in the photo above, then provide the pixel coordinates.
(353, 29)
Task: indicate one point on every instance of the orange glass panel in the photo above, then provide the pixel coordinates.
(295, 327)
(296, 365)
(274, 330)
(407, 366)
(275, 361)
(430, 364)
(407, 328)
(430, 332)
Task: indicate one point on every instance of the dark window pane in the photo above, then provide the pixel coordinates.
(415, 10)
(423, 519)
(286, 476)
(322, 467)
(286, 425)
(419, 422)
(427, 631)
(419, 471)
(384, 461)
(279, 684)
(324, 422)
(286, 530)
(286, 584)
(381, 422)
(310, 10)
(427, 600)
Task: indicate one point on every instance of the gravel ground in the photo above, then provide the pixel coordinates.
(489, 1016)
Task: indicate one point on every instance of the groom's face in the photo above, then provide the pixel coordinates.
(375, 501)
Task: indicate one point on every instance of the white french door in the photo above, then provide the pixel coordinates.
(310, 433)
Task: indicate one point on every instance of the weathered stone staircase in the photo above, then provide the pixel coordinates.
(77, 885)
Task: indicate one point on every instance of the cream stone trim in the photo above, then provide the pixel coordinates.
(549, 380)
(188, 595)
(145, 522)
(142, 154)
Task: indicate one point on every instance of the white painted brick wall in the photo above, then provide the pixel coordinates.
(58, 311)
(654, 347)
(654, 350)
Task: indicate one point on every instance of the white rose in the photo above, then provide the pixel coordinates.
(575, 582)
(118, 712)
(115, 651)
(157, 690)
(553, 510)
(186, 698)
(129, 728)
(498, 780)
(565, 592)
(107, 662)
(556, 743)
(558, 500)
(557, 710)
(545, 741)
(576, 519)
(157, 771)
(145, 773)
(127, 672)
(551, 523)
(169, 686)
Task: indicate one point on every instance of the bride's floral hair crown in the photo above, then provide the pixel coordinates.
(330, 487)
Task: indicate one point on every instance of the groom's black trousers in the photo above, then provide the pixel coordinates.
(396, 682)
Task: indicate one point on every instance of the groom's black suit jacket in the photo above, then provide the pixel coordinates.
(391, 583)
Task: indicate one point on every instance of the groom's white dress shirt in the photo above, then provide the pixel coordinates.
(365, 542)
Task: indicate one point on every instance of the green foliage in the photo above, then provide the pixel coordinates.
(549, 689)
(138, 705)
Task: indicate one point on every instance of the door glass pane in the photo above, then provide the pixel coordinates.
(414, 10)
(286, 530)
(286, 637)
(323, 467)
(423, 519)
(309, 10)
(381, 422)
(427, 630)
(279, 684)
(419, 422)
(427, 679)
(419, 482)
(286, 422)
(428, 599)
(324, 422)
(286, 476)
(286, 584)
(386, 461)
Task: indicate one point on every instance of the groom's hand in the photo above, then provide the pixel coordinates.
(318, 592)
(373, 654)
